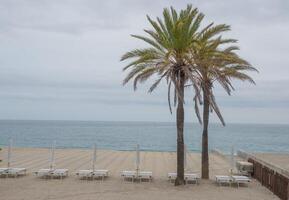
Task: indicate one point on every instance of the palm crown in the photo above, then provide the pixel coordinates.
(170, 41)
(218, 63)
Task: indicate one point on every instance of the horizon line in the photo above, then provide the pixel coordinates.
(140, 121)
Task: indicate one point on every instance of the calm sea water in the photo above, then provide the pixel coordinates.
(151, 136)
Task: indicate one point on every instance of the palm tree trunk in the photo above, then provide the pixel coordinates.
(205, 153)
(180, 135)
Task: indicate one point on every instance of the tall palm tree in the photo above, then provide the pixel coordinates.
(170, 41)
(218, 64)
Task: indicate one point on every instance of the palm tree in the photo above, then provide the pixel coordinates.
(216, 65)
(170, 42)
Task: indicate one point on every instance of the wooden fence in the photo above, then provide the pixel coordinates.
(272, 177)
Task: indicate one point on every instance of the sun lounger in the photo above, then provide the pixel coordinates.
(15, 172)
(241, 180)
(192, 177)
(44, 173)
(3, 171)
(146, 175)
(84, 174)
(87, 173)
(128, 175)
(220, 179)
(172, 176)
(60, 173)
(232, 179)
(100, 173)
(49, 173)
(142, 175)
(189, 177)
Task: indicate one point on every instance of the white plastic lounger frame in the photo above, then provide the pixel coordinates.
(241, 180)
(192, 177)
(128, 175)
(221, 179)
(145, 175)
(137, 174)
(15, 172)
(94, 173)
(84, 174)
(44, 173)
(10, 171)
(60, 173)
(189, 177)
(141, 175)
(232, 179)
(3, 171)
(47, 172)
(100, 173)
(87, 173)
(172, 176)
(51, 172)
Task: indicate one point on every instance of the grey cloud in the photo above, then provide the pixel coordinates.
(61, 58)
(73, 17)
(76, 17)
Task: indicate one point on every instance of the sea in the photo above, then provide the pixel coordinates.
(151, 136)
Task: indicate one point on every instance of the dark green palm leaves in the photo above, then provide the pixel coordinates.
(216, 60)
(170, 42)
(179, 49)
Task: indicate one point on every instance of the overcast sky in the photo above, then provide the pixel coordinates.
(60, 59)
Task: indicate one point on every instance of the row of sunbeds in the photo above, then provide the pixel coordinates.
(126, 175)
(93, 173)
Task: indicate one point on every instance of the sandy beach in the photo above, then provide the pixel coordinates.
(278, 159)
(160, 163)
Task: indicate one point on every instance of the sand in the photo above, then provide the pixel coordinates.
(160, 163)
(280, 160)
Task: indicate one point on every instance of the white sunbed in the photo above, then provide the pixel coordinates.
(60, 173)
(44, 173)
(221, 179)
(16, 172)
(100, 173)
(87, 173)
(141, 175)
(241, 180)
(172, 176)
(192, 177)
(128, 175)
(3, 171)
(84, 173)
(189, 177)
(49, 173)
(146, 175)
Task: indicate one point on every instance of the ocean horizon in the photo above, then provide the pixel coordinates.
(151, 136)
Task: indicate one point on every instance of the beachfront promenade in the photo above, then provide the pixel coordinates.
(160, 163)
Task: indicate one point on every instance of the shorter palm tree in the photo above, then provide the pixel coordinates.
(216, 65)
